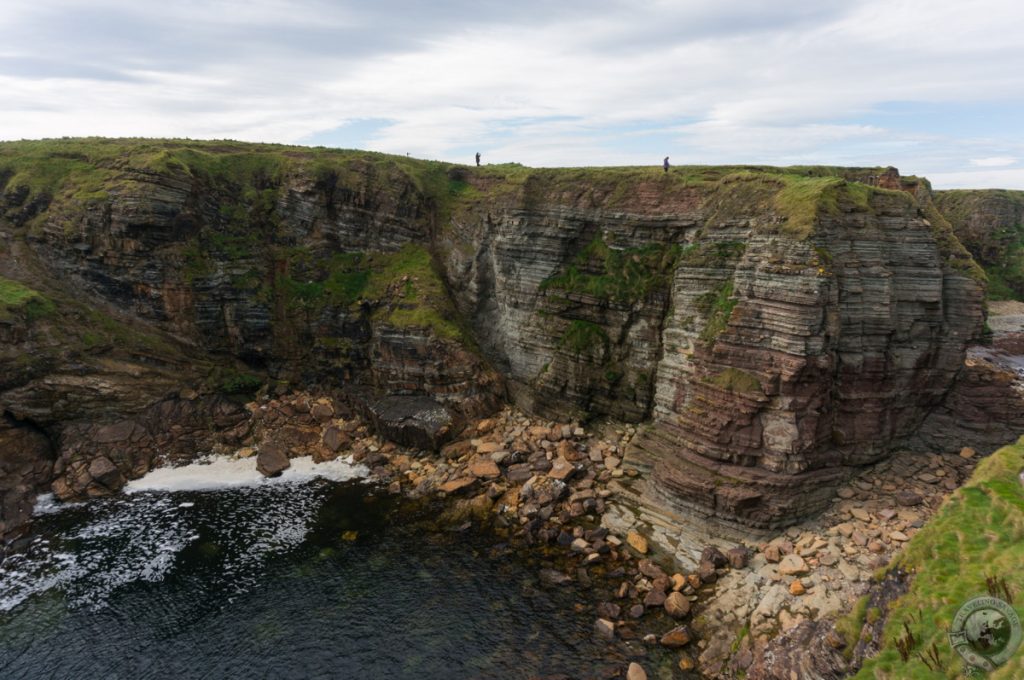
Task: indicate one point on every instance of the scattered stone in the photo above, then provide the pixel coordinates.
(655, 598)
(650, 569)
(967, 453)
(861, 514)
(715, 556)
(772, 554)
(604, 629)
(827, 560)
(636, 672)
(637, 542)
(484, 467)
(899, 536)
(846, 493)
(738, 557)
(792, 565)
(677, 605)
(686, 663)
(706, 572)
(796, 588)
(678, 581)
(611, 462)
(245, 452)
(457, 484)
(561, 469)
(679, 636)
(322, 412)
(553, 577)
(636, 611)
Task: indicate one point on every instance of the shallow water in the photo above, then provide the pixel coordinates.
(260, 581)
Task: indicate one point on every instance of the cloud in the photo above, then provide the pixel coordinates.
(993, 161)
(979, 179)
(605, 81)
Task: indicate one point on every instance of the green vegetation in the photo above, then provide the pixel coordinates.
(584, 337)
(990, 224)
(849, 627)
(978, 533)
(230, 380)
(711, 254)
(622, 275)
(16, 297)
(736, 380)
(716, 305)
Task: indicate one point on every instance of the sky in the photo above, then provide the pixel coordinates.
(933, 88)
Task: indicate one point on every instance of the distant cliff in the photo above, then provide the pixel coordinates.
(990, 223)
(771, 326)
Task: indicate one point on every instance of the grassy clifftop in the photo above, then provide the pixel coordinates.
(90, 169)
(977, 534)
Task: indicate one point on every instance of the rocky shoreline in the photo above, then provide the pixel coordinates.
(540, 486)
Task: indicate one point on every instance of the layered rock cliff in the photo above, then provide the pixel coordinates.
(771, 326)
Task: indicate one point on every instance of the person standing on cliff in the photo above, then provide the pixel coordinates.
(478, 159)
(664, 164)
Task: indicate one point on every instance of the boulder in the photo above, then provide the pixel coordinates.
(103, 471)
(715, 556)
(336, 439)
(793, 565)
(677, 605)
(738, 557)
(604, 629)
(271, 460)
(414, 421)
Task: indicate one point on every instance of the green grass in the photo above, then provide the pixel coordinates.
(624, 275)
(18, 298)
(584, 337)
(736, 380)
(977, 533)
(716, 305)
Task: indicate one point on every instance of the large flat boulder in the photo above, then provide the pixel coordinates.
(415, 421)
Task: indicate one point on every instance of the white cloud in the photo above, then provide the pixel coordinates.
(993, 161)
(979, 179)
(725, 81)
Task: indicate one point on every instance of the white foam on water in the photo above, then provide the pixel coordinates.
(138, 536)
(223, 472)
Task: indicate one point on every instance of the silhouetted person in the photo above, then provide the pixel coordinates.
(665, 164)
(478, 159)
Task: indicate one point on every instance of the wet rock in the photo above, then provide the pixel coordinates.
(553, 577)
(271, 460)
(103, 471)
(336, 439)
(650, 569)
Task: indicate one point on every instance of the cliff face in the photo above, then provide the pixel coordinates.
(771, 326)
(990, 224)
